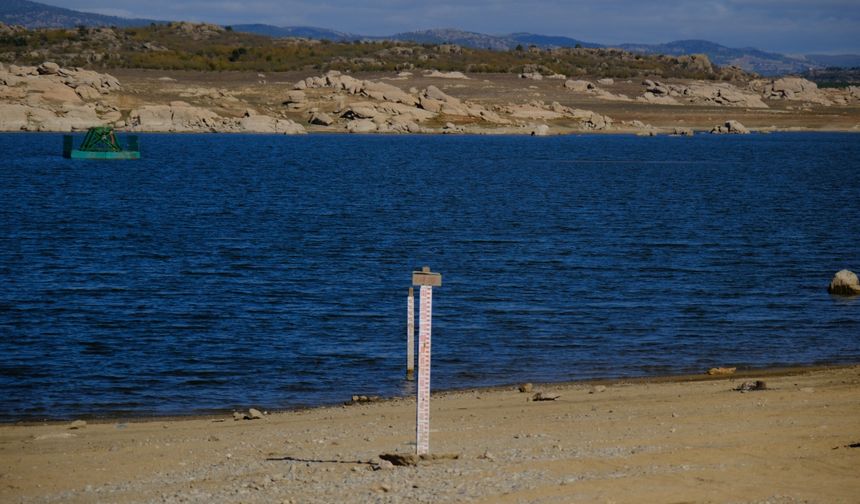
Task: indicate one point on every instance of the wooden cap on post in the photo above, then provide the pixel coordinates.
(411, 292)
(426, 277)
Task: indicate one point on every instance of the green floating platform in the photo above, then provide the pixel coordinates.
(101, 143)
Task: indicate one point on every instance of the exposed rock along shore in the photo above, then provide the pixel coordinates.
(51, 98)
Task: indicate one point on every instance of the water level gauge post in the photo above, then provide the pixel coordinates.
(410, 335)
(426, 280)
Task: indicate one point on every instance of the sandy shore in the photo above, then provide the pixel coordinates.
(671, 440)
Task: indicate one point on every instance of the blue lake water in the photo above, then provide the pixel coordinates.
(227, 271)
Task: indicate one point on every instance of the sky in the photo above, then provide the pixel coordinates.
(786, 26)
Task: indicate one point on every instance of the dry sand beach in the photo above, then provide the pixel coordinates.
(682, 439)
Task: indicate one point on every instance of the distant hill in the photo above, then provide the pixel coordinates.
(748, 58)
(550, 40)
(834, 60)
(295, 31)
(453, 36)
(37, 15)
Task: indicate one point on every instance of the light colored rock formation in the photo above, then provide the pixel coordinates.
(451, 128)
(50, 85)
(531, 75)
(700, 93)
(584, 86)
(844, 283)
(50, 89)
(681, 131)
(186, 118)
(791, 88)
(580, 86)
(361, 126)
(731, 127)
(14, 117)
(533, 112)
(68, 117)
(657, 99)
(537, 111)
(387, 92)
(178, 116)
(446, 75)
(606, 81)
(48, 68)
(258, 123)
(540, 130)
(435, 100)
(295, 100)
(321, 119)
(151, 118)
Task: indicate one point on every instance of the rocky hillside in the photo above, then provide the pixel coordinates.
(187, 46)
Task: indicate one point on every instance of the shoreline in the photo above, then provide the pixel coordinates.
(634, 440)
(740, 374)
(482, 132)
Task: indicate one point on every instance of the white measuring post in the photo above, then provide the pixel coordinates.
(410, 336)
(427, 281)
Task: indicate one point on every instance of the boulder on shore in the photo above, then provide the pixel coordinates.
(731, 127)
(844, 283)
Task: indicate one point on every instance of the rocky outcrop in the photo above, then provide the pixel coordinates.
(446, 75)
(295, 100)
(175, 117)
(435, 100)
(321, 119)
(844, 283)
(540, 130)
(580, 86)
(257, 123)
(657, 99)
(731, 127)
(538, 111)
(791, 88)
(361, 126)
(182, 117)
(584, 86)
(387, 92)
(699, 93)
(14, 117)
(52, 98)
(69, 117)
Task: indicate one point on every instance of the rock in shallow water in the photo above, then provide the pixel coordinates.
(844, 283)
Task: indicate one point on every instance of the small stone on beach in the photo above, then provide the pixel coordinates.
(78, 424)
(526, 387)
(752, 386)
